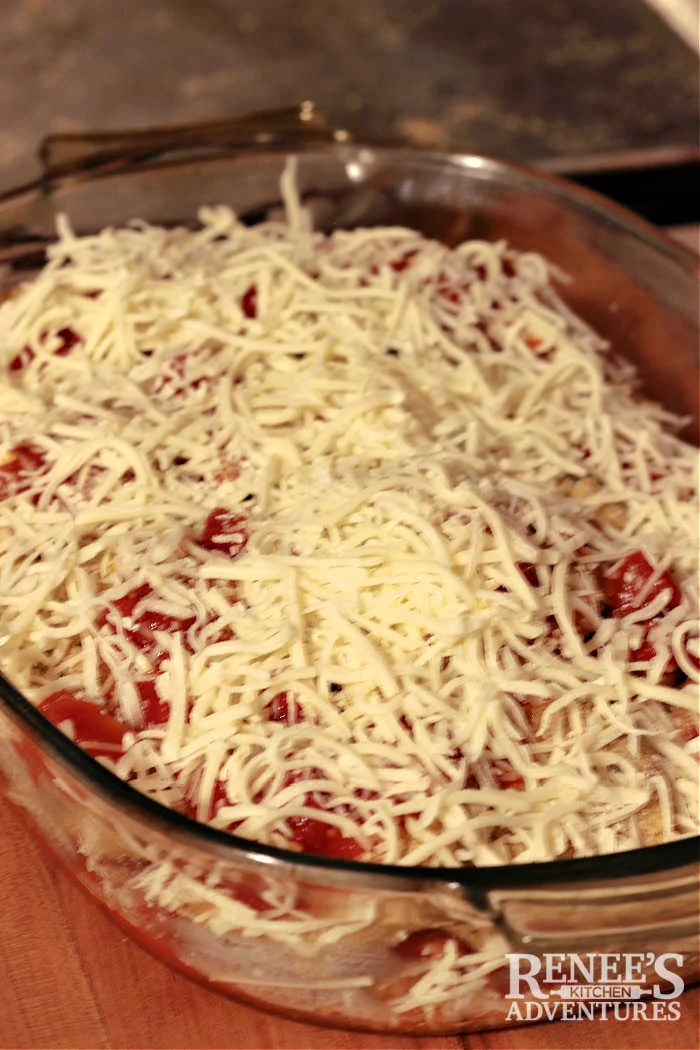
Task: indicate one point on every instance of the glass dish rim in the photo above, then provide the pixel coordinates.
(481, 166)
(222, 845)
(645, 860)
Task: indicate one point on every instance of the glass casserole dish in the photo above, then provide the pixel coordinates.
(363, 937)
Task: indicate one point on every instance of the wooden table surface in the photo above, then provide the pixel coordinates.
(71, 980)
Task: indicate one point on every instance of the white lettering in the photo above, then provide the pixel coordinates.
(634, 967)
(581, 971)
(609, 968)
(662, 971)
(658, 1011)
(612, 980)
(516, 976)
(554, 969)
(514, 1013)
(534, 1011)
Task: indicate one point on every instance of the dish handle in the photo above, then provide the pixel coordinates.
(656, 911)
(75, 154)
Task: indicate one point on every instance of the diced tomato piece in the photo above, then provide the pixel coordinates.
(657, 475)
(456, 755)
(147, 644)
(128, 602)
(219, 797)
(506, 776)
(404, 261)
(154, 710)
(249, 302)
(94, 730)
(646, 650)
(627, 590)
(143, 639)
(297, 776)
(23, 463)
(176, 370)
(428, 944)
(150, 619)
(225, 634)
(22, 359)
(452, 294)
(29, 458)
(323, 840)
(629, 579)
(284, 708)
(406, 724)
(142, 627)
(225, 531)
(69, 339)
(179, 365)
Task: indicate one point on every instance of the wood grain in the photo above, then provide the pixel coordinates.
(70, 979)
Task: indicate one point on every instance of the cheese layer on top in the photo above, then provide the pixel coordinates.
(369, 547)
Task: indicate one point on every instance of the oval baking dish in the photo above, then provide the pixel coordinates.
(371, 933)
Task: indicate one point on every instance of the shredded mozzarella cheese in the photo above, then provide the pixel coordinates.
(396, 428)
